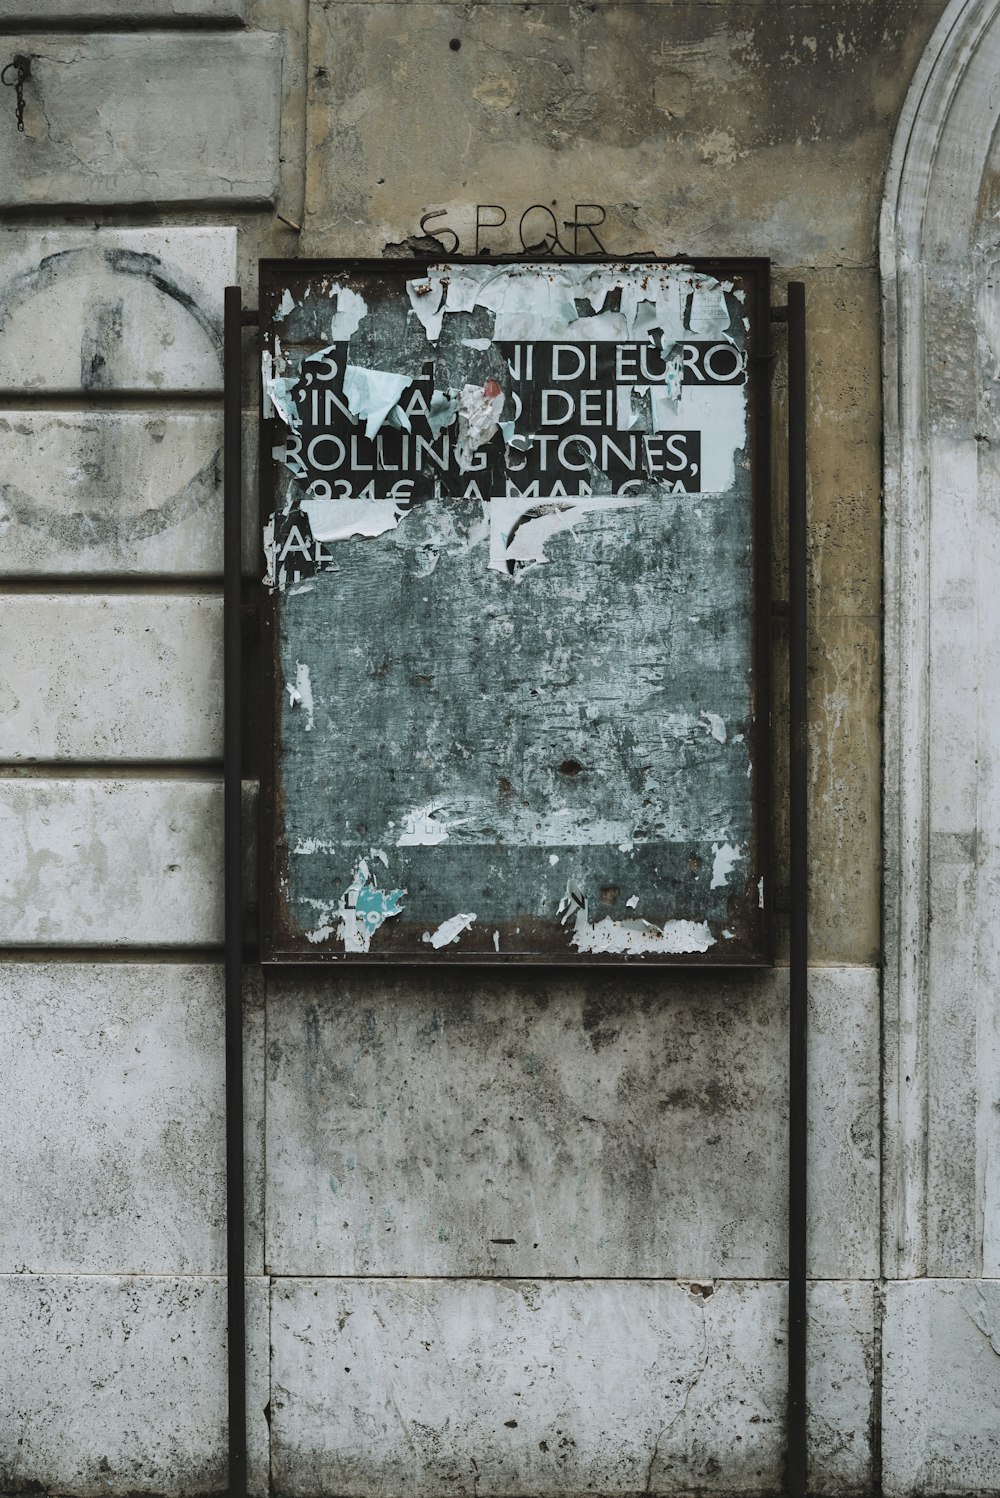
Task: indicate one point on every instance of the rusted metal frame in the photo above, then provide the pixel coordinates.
(794, 316)
(233, 866)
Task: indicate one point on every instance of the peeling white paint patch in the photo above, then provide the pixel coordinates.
(449, 930)
(496, 941)
(479, 411)
(632, 902)
(372, 393)
(725, 859)
(553, 859)
(638, 937)
(421, 828)
(714, 725)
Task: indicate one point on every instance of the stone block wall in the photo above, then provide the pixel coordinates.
(507, 1233)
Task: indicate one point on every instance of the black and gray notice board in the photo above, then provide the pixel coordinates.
(516, 541)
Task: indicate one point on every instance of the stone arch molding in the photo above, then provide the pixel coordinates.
(940, 265)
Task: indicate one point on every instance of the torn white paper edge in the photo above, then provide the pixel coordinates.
(362, 910)
(339, 519)
(371, 394)
(347, 316)
(478, 421)
(421, 829)
(725, 858)
(525, 542)
(277, 388)
(639, 937)
(714, 725)
(450, 930)
(303, 692)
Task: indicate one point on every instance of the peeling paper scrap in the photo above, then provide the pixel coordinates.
(520, 527)
(303, 692)
(339, 519)
(277, 388)
(363, 909)
(286, 305)
(450, 930)
(442, 411)
(371, 394)
(478, 420)
(421, 829)
(427, 300)
(725, 859)
(637, 937)
(715, 725)
(350, 310)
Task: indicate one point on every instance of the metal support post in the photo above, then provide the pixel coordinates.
(233, 854)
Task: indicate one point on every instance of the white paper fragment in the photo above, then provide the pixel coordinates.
(553, 859)
(496, 941)
(382, 856)
(442, 411)
(421, 828)
(277, 388)
(725, 860)
(350, 309)
(760, 892)
(286, 305)
(714, 725)
(427, 300)
(632, 902)
(449, 930)
(479, 410)
(339, 519)
(362, 910)
(371, 394)
(638, 937)
(303, 692)
(520, 527)
(268, 543)
(482, 344)
(709, 317)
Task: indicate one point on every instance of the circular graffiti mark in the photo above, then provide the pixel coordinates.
(111, 503)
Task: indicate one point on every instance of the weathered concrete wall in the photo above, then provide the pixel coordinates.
(507, 1234)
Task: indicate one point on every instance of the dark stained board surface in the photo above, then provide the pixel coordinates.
(517, 688)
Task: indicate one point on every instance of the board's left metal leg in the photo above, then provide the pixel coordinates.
(233, 854)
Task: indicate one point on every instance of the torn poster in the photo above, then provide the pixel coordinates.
(514, 515)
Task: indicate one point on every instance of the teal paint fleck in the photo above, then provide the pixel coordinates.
(334, 1185)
